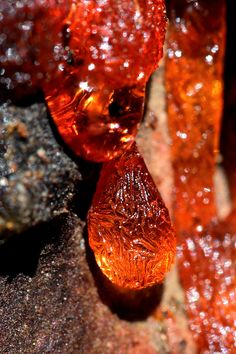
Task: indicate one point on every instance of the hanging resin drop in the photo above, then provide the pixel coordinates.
(129, 226)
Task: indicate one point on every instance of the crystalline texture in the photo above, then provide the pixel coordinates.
(119, 42)
(129, 226)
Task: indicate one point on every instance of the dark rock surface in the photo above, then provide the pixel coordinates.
(49, 302)
(37, 178)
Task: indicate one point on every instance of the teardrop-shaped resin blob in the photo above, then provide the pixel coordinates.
(129, 226)
(96, 123)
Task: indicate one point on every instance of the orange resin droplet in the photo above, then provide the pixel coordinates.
(114, 47)
(129, 226)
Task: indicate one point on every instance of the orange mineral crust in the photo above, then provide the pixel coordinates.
(91, 58)
(206, 249)
(129, 226)
(114, 47)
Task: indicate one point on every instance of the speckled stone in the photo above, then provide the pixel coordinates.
(37, 177)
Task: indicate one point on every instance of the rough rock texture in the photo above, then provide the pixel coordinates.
(49, 303)
(37, 178)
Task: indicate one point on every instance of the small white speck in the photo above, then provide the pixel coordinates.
(209, 59)
(91, 67)
(140, 76)
(3, 182)
(84, 85)
(199, 228)
(182, 135)
(193, 295)
(215, 48)
(178, 53)
(114, 125)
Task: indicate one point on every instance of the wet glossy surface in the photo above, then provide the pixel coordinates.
(117, 42)
(129, 226)
(206, 249)
(97, 123)
(195, 97)
(114, 48)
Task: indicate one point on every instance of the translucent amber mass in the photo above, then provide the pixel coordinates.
(129, 226)
(206, 251)
(113, 47)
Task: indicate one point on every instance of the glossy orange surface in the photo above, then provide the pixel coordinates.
(129, 226)
(206, 252)
(96, 123)
(194, 85)
(117, 42)
(114, 47)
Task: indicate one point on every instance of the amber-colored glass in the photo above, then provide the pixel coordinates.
(194, 68)
(129, 226)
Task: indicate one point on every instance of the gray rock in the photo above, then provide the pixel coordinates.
(37, 178)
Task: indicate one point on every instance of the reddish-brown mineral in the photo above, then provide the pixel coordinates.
(207, 252)
(114, 47)
(129, 226)
(92, 60)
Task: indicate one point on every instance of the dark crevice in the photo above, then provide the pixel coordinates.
(90, 171)
(21, 253)
(228, 131)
